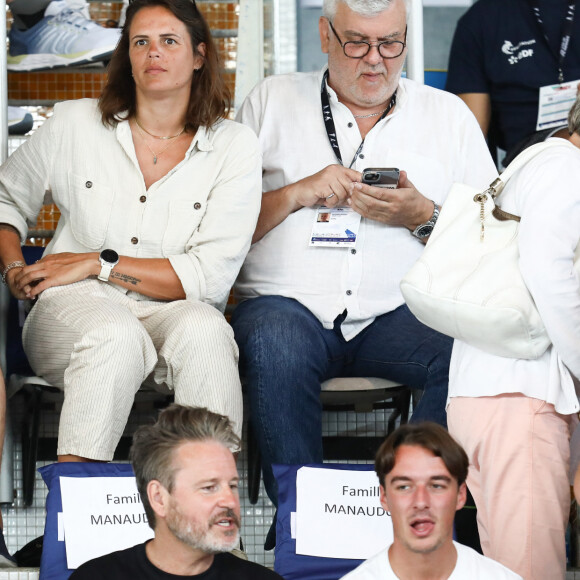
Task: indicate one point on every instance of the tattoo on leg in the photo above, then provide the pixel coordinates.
(125, 278)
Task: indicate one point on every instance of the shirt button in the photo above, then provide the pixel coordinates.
(362, 155)
(353, 251)
(89, 184)
(349, 125)
(134, 240)
(197, 205)
(143, 199)
(348, 292)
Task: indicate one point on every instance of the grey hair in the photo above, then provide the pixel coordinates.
(362, 7)
(154, 445)
(574, 117)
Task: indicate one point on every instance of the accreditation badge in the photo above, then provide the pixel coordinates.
(554, 103)
(335, 227)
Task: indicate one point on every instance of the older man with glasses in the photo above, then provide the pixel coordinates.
(321, 298)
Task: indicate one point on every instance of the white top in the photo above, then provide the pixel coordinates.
(470, 566)
(201, 215)
(546, 195)
(430, 134)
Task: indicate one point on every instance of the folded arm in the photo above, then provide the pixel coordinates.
(152, 277)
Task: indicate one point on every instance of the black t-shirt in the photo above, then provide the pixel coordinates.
(499, 49)
(133, 564)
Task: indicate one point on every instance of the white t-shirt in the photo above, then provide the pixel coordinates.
(470, 566)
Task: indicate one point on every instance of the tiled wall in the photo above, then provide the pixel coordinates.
(21, 574)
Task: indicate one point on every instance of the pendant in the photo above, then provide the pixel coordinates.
(155, 160)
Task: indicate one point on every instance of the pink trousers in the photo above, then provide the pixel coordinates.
(518, 450)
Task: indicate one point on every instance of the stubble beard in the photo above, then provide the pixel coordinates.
(356, 94)
(372, 99)
(205, 538)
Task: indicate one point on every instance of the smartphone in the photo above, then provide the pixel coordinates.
(381, 177)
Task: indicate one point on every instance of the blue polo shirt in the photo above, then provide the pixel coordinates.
(499, 49)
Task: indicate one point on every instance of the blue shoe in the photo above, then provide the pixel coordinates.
(20, 121)
(64, 37)
(6, 560)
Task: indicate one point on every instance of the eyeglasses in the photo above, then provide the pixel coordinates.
(360, 48)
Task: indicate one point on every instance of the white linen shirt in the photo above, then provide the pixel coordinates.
(200, 216)
(430, 134)
(546, 195)
(470, 566)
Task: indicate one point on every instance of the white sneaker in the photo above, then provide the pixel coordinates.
(64, 37)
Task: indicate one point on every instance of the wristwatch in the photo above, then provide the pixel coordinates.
(109, 259)
(423, 231)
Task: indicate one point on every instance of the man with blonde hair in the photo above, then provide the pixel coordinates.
(188, 481)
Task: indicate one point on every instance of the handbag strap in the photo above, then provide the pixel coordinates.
(524, 157)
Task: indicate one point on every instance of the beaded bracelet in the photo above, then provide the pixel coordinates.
(11, 266)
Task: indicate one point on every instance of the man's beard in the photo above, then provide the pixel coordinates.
(208, 537)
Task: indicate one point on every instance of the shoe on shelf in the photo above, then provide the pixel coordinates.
(80, 5)
(20, 121)
(64, 37)
(6, 560)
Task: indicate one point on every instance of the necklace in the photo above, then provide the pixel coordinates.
(156, 155)
(157, 136)
(364, 116)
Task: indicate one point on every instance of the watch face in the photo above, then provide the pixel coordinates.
(109, 256)
(424, 231)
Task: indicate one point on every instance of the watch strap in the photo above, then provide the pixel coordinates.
(430, 222)
(106, 269)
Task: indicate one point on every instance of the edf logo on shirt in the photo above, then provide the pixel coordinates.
(517, 52)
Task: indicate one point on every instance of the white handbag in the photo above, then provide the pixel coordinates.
(467, 283)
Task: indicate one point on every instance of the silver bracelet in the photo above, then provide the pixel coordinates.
(11, 266)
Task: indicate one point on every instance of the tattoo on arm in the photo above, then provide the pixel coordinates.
(125, 278)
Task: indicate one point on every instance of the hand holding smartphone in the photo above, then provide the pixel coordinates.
(381, 177)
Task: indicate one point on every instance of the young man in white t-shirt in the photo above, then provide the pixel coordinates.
(422, 472)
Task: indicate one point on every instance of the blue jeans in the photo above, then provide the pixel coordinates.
(286, 353)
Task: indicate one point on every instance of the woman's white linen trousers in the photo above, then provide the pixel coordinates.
(100, 346)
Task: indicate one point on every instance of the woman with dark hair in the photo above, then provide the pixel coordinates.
(159, 196)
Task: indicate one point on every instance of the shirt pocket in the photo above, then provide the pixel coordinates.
(183, 219)
(91, 204)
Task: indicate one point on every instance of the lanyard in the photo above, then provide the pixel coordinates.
(566, 33)
(329, 121)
